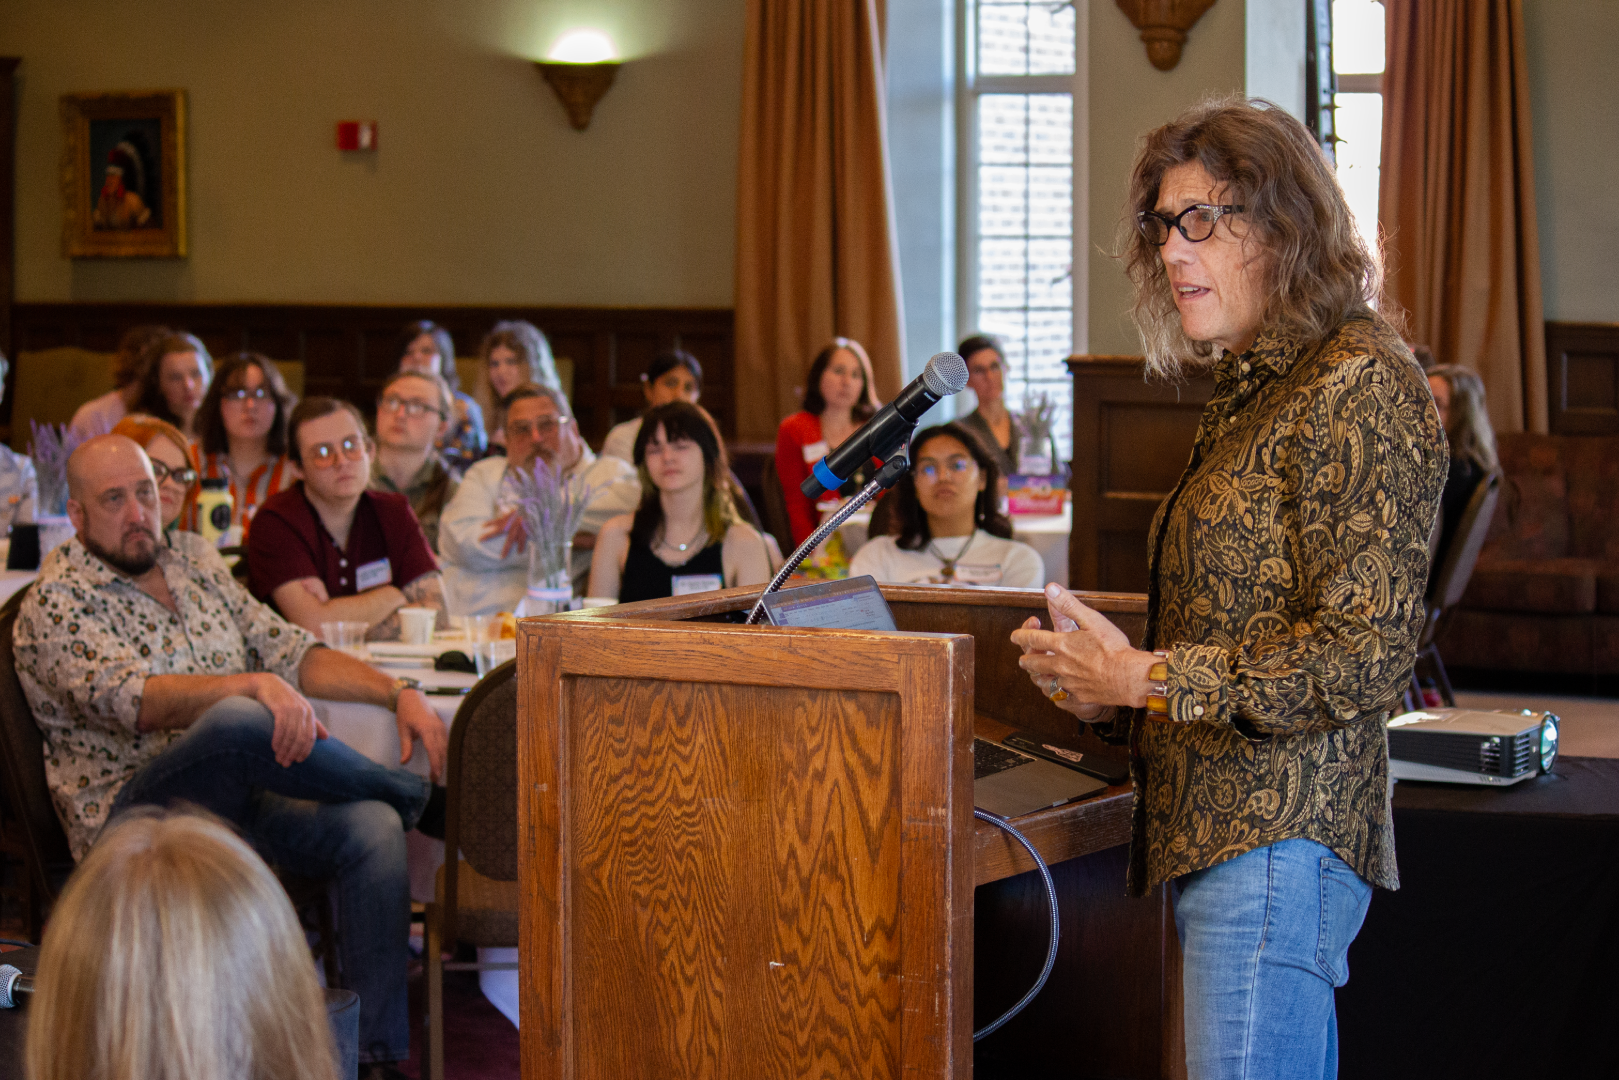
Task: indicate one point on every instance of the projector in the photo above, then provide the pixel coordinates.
(1464, 746)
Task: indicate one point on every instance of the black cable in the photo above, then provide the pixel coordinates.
(13, 941)
(1056, 929)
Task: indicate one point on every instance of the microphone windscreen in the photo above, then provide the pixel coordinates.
(946, 374)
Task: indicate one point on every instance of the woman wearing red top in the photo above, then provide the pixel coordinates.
(242, 425)
(839, 396)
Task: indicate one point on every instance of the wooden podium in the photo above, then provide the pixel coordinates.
(749, 852)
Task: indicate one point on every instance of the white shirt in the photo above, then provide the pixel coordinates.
(982, 560)
(477, 581)
(99, 415)
(620, 441)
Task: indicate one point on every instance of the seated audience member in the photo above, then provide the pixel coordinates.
(1458, 393)
(513, 353)
(951, 530)
(175, 684)
(673, 376)
(327, 549)
(686, 536)
(481, 535)
(412, 411)
(98, 415)
(174, 464)
(990, 421)
(19, 485)
(175, 380)
(839, 395)
(243, 434)
(426, 349)
(182, 908)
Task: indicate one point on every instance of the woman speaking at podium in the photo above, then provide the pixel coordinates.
(1287, 570)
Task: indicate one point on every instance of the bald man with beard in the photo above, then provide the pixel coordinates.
(154, 676)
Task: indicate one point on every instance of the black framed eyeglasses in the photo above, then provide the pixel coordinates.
(184, 477)
(1196, 223)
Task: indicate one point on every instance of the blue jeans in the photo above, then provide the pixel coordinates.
(336, 814)
(1265, 940)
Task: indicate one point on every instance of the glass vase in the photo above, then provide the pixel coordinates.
(550, 581)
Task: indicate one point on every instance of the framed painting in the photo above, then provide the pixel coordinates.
(123, 175)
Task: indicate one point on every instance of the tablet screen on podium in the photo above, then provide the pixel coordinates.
(849, 604)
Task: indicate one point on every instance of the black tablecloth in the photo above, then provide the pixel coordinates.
(1499, 954)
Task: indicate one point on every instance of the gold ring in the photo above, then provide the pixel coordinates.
(1055, 691)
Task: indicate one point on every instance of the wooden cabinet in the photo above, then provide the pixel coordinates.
(1132, 438)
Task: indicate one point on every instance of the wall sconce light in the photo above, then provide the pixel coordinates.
(580, 69)
(1163, 25)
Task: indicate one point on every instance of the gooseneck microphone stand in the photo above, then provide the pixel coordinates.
(886, 478)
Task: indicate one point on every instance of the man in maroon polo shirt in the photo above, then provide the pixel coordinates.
(327, 549)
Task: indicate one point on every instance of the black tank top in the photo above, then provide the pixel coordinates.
(647, 577)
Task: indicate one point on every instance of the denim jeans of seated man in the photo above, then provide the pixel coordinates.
(1265, 940)
(336, 814)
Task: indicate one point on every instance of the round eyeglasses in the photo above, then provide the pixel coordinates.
(184, 477)
(1196, 223)
(957, 467)
(244, 396)
(325, 455)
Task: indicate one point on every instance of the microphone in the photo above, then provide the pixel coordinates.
(13, 984)
(946, 374)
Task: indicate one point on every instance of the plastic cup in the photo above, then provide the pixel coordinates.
(476, 627)
(416, 625)
(346, 637)
(488, 655)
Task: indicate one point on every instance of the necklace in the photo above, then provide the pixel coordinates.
(949, 571)
(664, 540)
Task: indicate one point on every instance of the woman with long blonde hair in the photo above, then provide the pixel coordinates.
(174, 953)
(1458, 394)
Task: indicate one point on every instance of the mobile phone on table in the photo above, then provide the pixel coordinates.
(1066, 752)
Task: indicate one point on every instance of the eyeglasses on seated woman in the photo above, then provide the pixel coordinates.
(950, 529)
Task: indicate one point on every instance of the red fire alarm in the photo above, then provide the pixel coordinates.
(356, 134)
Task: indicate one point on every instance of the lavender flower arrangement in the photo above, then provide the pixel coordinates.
(50, 448)
(550, 511)
(1034, 425)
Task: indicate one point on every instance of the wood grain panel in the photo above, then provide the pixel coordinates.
(1132, 439)
(348, 349)
(758, 845)
(1582, 370)
(685, 830)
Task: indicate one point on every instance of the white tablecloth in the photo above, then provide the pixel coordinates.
(372, 730)
(1046, 533)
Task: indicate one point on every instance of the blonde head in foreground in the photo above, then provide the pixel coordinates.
(175, 954)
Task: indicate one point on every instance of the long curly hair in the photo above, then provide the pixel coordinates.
(1319, 271)
(911, 520)
(1472, 438)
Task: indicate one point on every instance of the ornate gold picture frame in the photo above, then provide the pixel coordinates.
(123, 175)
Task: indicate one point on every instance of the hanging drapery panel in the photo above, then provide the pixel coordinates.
(1457, 196)
(816, 250)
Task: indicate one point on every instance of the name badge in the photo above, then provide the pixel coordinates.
(815, 451)
(978, 573)
(686, 584)
(372, 574)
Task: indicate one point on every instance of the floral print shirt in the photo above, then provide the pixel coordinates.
(87, 639)
(1287, 574)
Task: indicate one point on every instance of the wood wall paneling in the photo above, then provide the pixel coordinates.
(349, 349)
(1132, 439)
(8, 199)
(1582, 368)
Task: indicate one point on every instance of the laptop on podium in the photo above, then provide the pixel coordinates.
(1006, 783)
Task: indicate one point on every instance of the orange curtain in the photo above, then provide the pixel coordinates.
(1457, 196)
(816, 250)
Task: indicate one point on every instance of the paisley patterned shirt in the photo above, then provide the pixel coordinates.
(1287, 570)
(87, 639)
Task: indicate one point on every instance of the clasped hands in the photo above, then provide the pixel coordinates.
(1085, 655)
